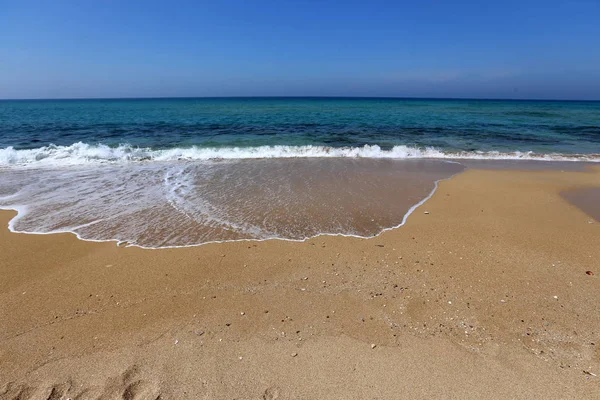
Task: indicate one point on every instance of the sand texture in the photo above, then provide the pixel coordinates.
(484, 296)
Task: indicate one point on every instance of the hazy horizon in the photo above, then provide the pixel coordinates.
(297, 97)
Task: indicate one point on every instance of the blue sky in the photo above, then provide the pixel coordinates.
(464, 48)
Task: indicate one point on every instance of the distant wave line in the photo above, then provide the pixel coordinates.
(82, 153)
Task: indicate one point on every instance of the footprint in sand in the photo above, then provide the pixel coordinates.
(128, 386)
(271, 393)
(58, 392)
(141, 390)
(24, 392)
(16, 392)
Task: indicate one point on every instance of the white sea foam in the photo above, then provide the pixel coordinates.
(83, 153)
(157, 205)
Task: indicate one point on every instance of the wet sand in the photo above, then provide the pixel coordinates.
(484, 296)
(528, 165)
(587, 199)
(157, 205)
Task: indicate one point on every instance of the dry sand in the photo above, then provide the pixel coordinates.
(486, 296)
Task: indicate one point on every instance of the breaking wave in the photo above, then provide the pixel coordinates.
(83, 153)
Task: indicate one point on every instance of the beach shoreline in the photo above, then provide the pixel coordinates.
(187, 204)
(485, 295)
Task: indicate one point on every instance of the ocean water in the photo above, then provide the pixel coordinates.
(272, 127)
(179, 172)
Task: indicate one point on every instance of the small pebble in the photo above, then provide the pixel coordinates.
(294, 354)
(373, 345)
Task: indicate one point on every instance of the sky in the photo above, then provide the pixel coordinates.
(536, 49)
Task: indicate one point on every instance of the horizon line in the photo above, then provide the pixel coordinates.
(293, 97)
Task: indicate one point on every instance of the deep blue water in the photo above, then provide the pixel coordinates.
(447, 125)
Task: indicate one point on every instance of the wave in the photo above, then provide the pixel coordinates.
(83, 153)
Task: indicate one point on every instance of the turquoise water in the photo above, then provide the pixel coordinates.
(138, 127)
(181, 172)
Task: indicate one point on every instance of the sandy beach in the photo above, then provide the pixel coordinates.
(489, 291)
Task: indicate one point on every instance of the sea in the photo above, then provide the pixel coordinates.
(158, 173)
